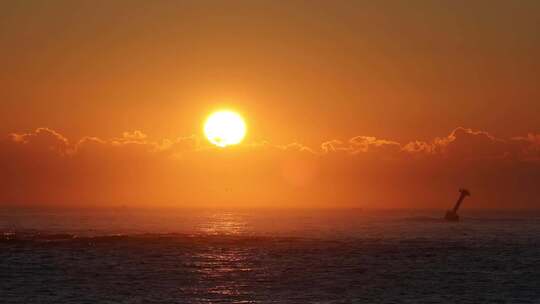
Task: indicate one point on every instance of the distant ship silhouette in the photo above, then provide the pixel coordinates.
(451, 215)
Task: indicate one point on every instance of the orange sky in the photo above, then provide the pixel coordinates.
(303, 73)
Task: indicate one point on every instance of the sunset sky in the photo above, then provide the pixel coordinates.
(369, 104)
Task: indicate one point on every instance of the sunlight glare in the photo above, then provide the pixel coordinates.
(225, 128)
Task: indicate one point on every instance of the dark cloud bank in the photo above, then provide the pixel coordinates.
(43, 167)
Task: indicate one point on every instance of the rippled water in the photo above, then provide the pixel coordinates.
(268, 256)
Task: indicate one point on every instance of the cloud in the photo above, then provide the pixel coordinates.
(43, 167)
(134, 135)
(43, 139)
(296, 147)
(465, 144)
(360, 144)
(461, 143)
(529, 146)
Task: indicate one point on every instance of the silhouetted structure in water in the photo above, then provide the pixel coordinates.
(451, 215)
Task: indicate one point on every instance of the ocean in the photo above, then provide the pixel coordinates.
(268, 256)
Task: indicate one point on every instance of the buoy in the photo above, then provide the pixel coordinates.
(451, 215)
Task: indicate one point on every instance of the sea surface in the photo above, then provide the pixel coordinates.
(268, 256)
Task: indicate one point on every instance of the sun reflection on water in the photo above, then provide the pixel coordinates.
(223, 223)
(223, 265)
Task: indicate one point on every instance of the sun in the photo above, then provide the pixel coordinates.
(225, 128)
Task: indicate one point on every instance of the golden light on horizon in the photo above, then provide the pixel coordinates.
(225, 128)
